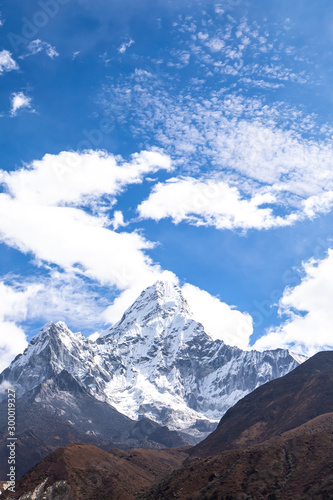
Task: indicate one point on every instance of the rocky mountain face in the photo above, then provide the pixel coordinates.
(156, 363)
(60, 412)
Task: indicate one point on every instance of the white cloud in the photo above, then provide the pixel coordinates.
(35, 217)
(122, 49)
(219, 319)
(7, 63)
(36, 46)
(12, 342)
(13, 309)
(78, 178)
(114, 312)
(118, 220)
(318, 204)
(42, 213)
(211, 203)
(215, 44)
(309, 307)
(14, 301)
(19, 101)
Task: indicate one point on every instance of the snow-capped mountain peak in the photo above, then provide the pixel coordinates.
(55, 330)
(169, 297)
(163, 297)
(53, 348)
(156, 362)
(158, 307)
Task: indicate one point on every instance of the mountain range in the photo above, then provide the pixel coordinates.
(156, 362)
(155, 379)
(281, 450)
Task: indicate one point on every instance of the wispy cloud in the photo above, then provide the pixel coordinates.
(105, 58)
(124, 46)
(53, 295)
(243, 49)
(246, 143)
(61, 296)
(36, 46)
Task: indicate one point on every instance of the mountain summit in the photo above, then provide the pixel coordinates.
(157, 308)
(157, 362)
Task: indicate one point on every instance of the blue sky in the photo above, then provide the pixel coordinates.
(190, 140)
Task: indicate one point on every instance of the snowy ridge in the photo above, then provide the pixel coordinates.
(299, 358)
(157, 362)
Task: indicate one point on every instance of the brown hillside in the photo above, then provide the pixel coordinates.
(298, 465)
(80, 471)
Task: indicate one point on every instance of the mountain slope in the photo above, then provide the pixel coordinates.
(296, 465)
(157, 362)
(60, 412)
(81, 472)
(275, 407)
